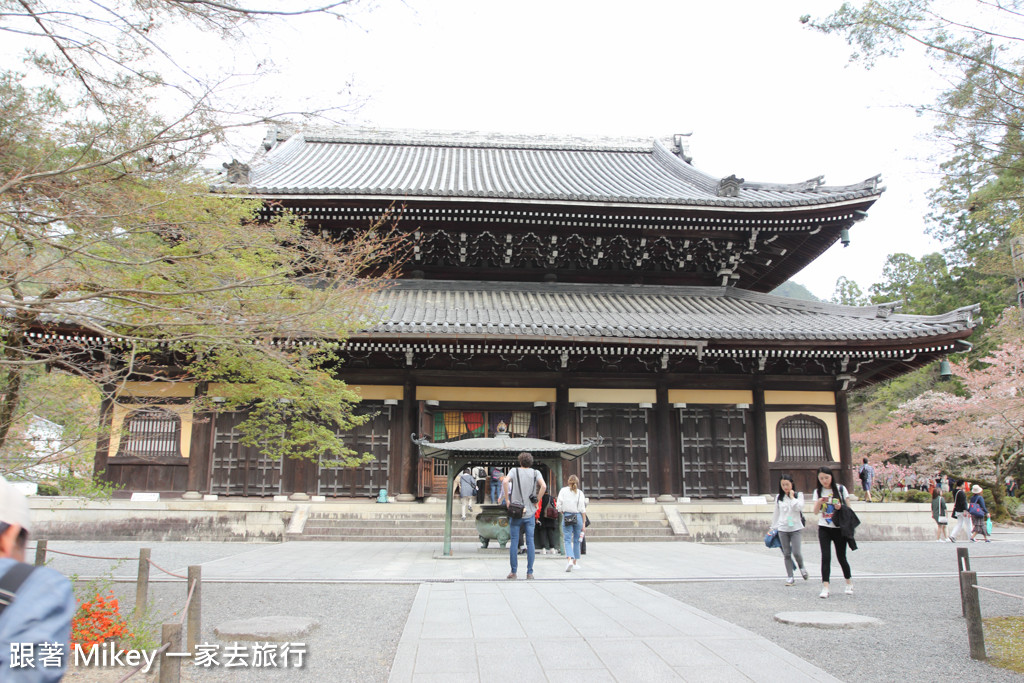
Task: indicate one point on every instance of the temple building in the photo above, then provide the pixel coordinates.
(598, 291)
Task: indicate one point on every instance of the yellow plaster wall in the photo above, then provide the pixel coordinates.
(612, 396)
(831, 423)
(810, 398)
(710, 396)
(121, 411)
(485, 394)
(159, 389)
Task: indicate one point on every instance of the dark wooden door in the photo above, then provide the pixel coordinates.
(714, 451)
(238, 470)
(373, 437)
(619, 466)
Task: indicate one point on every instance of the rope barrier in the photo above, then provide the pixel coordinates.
(993, 590)
(985, 557)
(167, 572)
(137, 669)
(90, 557)
(188, 601)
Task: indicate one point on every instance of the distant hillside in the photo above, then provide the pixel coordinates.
(794, 291)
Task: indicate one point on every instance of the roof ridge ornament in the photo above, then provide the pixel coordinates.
(730, 187)
(237, 172)
(682, 146)
(885, 310)
(810, 185)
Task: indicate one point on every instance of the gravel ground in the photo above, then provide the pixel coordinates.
(922, 637)
(356, 638)
(910, 586)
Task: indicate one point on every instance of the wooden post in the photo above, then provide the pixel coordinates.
(40, 553)
(975, 633)
(195, 614)
(142, 586)
(963, 564)
(170, 667)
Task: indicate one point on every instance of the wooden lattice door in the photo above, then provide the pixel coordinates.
(714, 452)
(237, 470)
(373, 437)
(618, 467)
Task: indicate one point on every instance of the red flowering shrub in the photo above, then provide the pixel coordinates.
(97, 621)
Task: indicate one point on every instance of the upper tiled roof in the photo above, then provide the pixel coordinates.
(624, 313)
(404, 164)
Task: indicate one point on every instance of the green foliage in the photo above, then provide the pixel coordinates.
(47, 490)
(917, 496)
(848, 293)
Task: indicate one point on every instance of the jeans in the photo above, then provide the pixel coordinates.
(495, 492)
(527, 524)
(571, 532)
(791, 549)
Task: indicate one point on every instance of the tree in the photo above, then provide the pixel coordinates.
(848, 293)
(107, 226)
(979, 47)
(978, 436)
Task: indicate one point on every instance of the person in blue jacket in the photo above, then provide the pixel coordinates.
(35, 622)
(978, 504)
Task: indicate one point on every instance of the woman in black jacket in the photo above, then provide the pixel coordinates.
(830, 497)
(963, 520)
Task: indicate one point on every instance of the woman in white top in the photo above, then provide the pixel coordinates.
(787, 521)
(573, 506)
(830, 496)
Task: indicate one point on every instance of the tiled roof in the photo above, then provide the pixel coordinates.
(395, 164)
(638, 313)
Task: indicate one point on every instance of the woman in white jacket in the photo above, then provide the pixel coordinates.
(573, 506)
(787, 520)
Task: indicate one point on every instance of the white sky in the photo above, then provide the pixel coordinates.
(765, 97)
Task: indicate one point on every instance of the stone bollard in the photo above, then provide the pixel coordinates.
(142, 586)
(170, 667)
(975, 632)
(195, 607)
(40, 553)
(963, 564)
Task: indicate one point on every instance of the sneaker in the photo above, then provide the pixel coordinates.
(803, 573)
(849, 589)
(529, 576)
(952, 540)
(511, 575)
(791, 581)
(988, 540)
(463, 518)
(568, 567)
(824, 592)
(576, 565)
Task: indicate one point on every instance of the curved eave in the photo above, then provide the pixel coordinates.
(506, 447)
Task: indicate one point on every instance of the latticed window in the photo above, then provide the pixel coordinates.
(803, 438)
(151, 433)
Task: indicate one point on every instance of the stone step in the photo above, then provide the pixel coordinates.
(455, 539)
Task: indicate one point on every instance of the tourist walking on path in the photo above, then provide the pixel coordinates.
(547, 527)
(496, 476)
(979, 513)
(524, 487)
(788, 521)
(867, 478)
(37, 619)
(467, 491)
(963, 520)
(829, 497)
(573, 505)
(480, 477)
(939, 515)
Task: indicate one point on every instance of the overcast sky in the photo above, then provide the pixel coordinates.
(764, 97)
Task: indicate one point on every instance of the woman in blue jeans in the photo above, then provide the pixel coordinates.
(573, 506)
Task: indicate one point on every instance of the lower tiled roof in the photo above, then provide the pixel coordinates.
(639, 313)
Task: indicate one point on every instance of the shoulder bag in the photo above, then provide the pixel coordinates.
(516, 510)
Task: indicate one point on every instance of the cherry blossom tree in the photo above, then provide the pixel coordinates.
(977, 436)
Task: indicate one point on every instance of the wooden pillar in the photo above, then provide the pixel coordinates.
(664, 452)
(200, 451)
(404, 449)
(106, 424)
(565, 422)
(845, 449)
(761, 474)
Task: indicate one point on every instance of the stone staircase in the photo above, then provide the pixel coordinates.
(618, 522)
